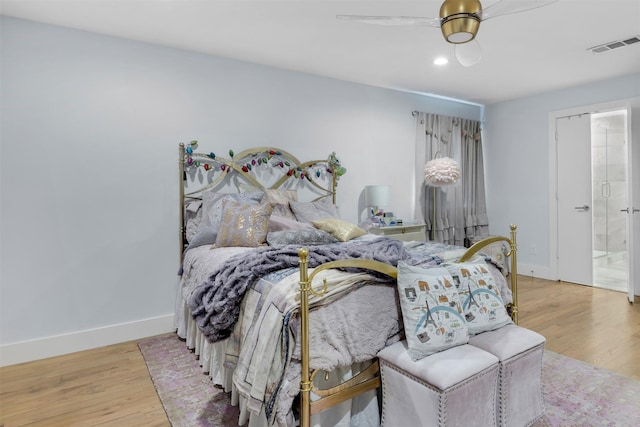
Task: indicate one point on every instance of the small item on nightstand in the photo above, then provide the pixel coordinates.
(375, 197)
(388, 219)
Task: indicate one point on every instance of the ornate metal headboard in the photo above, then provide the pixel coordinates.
(261, 168)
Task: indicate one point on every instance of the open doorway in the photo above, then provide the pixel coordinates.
(609, 175)
(591, 203)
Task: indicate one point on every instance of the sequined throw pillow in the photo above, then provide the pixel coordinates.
(341, 230)
(212, 211)
(311, 236)
(243, 224)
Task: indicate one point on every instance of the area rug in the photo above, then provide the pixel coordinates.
(575, 393)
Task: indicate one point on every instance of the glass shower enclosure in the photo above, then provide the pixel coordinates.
(609, 186)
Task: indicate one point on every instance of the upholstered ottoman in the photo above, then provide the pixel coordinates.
(520, 353)
(454, 387)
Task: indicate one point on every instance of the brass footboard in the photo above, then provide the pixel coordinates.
(369, 378)
(512, 308)
(362, 382)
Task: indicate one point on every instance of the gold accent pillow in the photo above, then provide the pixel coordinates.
(243, 224)
(341, 230)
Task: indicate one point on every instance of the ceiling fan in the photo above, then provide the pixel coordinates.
(459, 21)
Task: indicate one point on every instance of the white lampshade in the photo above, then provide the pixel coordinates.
(376, 195)
(441, 171)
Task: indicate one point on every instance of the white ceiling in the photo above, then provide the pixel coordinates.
(523, 54)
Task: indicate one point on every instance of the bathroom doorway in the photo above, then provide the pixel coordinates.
(592, 227)
(609, 199)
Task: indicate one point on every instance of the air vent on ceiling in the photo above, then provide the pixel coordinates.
(614, 45)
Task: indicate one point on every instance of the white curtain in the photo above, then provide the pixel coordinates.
(456, 213)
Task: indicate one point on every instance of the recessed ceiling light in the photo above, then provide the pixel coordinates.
(441, 60)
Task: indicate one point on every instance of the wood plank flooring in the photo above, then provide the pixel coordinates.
(595, 325)
(110, 386)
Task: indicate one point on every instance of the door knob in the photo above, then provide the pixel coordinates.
(582, 208)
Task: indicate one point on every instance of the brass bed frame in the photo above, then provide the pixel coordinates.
(369, 378)
(242, 164)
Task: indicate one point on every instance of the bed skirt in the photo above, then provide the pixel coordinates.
(362, 411)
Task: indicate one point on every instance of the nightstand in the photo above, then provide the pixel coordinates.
(405, 232)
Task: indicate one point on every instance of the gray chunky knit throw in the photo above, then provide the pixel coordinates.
(215, 304)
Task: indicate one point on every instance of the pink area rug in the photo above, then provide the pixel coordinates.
(188, 395)
(576, 394)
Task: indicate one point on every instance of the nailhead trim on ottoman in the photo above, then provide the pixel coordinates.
(520, 352)
(455, 387)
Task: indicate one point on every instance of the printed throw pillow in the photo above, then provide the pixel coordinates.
(341, 230)
(311, 236)
(243, 225)
(308, 212)
(483, 307)
(431, 310)
(280, 200)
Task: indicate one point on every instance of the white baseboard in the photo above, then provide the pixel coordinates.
(537, 271)
(27, 351)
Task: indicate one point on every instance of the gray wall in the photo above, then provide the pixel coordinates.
(517, 162)
(89, 132)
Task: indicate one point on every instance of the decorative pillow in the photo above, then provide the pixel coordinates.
(483, 307)
(431, 310)
(243, 225)
(341, 230)
(320, 209)
(205, 237)
(192, 217)
(310, 236)
(212, 209)
(280, 200)
(279, 223)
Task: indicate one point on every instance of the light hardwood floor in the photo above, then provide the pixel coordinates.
(595, 325)
(110, 386)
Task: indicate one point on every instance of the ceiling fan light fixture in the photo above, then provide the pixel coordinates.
(460, 20)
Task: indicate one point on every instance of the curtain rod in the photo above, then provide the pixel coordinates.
(415, 113)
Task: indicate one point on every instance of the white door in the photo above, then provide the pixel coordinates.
(573, 151)
(633, 224)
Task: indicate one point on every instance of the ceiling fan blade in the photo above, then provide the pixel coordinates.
(393, 20)
(469, 53)
(503, 7)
